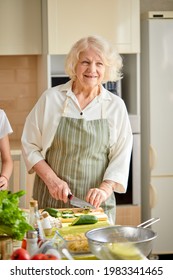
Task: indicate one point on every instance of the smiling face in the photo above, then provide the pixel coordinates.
(90, 69)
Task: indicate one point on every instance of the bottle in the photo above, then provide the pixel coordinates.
(35, 221)
(46, 224)
(31, 242)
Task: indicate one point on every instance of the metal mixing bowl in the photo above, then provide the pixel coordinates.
(100, 240)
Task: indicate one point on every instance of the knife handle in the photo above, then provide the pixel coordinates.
(70, 196)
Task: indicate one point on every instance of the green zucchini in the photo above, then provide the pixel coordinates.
(67, 212)
(86, 210)
(85, 219)
(53, 212)
(67, 215)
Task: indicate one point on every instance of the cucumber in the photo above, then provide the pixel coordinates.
(86, 210)
(53, 212)
(85, 219)
(67, 212)
(78, 214)
(67, 215)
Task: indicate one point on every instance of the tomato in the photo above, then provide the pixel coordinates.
(38, 257)
(20, 254)
(44, 257)
(50, 257)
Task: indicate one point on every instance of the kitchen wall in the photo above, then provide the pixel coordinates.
(18, 90)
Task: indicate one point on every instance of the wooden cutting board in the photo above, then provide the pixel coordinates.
(68, 229)
(99, 213)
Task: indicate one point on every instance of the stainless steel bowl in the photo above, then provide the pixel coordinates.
(102, 241)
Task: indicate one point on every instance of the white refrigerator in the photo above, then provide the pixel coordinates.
(157, 126)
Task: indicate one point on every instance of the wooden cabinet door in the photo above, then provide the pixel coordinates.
(20, 27)
(116, 20)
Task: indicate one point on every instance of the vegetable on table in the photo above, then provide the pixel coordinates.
(85, 219)
(13, 221)
(52, 212)
(86, 210)
(57, 214)
(67, 214)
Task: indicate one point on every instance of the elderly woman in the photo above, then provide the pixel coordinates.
(5, 155)
(78, 137)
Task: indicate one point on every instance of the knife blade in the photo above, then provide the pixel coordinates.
(75, 201)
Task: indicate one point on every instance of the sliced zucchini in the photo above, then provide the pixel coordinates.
(53, 212)
(86, 210)
(67, 212)
(67, 215)
(85, 219)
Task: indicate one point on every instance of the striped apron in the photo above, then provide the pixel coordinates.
(79, 156)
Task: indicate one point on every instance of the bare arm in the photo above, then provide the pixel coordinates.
(58, 188)
(7, 163)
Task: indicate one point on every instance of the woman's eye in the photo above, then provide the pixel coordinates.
(85, 62)
(100, 64)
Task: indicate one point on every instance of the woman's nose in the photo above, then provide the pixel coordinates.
(92, 67)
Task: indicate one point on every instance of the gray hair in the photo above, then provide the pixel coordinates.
(110, 56)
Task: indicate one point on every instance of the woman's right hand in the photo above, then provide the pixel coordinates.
(58, 188)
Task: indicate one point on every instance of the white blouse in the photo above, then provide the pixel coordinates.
(42, 122)
(5, 127)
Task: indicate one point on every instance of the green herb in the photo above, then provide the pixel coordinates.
(13, 220)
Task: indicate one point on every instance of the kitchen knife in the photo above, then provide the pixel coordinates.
(79, 202)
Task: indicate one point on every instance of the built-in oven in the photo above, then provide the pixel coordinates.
(133, 194)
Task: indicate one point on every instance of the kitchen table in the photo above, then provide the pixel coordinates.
(75, 234)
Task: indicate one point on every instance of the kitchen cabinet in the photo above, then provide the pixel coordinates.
(20, 27)
(128, 215)
(64, 22)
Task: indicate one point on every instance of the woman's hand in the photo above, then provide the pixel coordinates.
(6, 163)
(58, 188)
(96, 196)
(3, 183)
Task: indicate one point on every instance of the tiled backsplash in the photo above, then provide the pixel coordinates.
(18, 90)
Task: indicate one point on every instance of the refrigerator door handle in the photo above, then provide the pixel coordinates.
(152, 196)
(152, 157)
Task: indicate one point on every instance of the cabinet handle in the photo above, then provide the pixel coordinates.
(153, 196)
(152, 157)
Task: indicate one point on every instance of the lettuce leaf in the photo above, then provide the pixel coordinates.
(13, 221)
